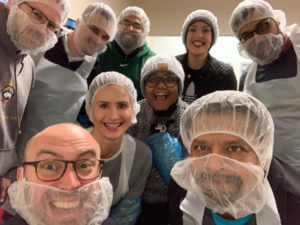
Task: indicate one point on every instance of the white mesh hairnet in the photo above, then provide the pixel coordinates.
(41, 204)
(108, 78)
(280, 17)
(61, 6)
(231, 112)
(159, 63)
(247, 11)
(138, 12)
(204, 16)
(107, 20)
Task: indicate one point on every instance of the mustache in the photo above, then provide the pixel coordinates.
(217, 176)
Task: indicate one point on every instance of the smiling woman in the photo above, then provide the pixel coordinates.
(111, 104)
(158, 126)
(203, 73)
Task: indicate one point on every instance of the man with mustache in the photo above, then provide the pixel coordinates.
(25, 27)
(60, 180)
(60, 84)
(229, 136)
(274, 78)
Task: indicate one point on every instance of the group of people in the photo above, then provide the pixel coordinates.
(95, 128)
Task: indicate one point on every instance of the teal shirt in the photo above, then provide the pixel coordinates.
(221, 221)
(114, 60)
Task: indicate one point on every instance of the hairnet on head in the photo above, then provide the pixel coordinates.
(138, 12)
(107, 20)
(61, 6)
(247, 11)
(109, 78)
(160, 63)
(234, 113)
(204, 16)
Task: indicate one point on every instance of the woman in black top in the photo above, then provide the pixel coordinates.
(203, 73)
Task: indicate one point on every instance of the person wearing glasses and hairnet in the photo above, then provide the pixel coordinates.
(158, 126)
(203, 73)
(60, 181)
(60, 80)
(25, 27)
(111, 104)
(229, 136)
(274, 78)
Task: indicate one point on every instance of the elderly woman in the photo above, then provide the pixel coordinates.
(158, 125)
(111, 104)
(203, 73)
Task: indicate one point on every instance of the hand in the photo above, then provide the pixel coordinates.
(5, 183)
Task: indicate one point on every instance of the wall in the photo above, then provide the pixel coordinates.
(167, 16)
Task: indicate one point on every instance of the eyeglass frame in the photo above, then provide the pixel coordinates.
(136, 26)
(162, 79)
(56, 28)
(66, 162)
(250, 34)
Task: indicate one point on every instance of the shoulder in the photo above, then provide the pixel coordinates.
(220, 67)
(142, 150)
(181, 57)
(181, 105)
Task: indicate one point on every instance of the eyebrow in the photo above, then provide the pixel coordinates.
(49, 152)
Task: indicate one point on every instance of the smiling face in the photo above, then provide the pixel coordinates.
(199, 38)
(60, 142)
(111, 112)
(161, 97)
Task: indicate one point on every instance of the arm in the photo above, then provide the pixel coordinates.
(166, 151)
(126, 211)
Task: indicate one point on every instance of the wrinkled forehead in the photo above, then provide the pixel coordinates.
(68, 146)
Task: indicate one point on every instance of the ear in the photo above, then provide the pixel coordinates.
(89, 112)
(20, 173)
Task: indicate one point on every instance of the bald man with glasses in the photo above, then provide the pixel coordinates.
(60, 180)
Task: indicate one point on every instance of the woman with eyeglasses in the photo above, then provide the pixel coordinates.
(111, 104)
(203, 73)
(158, 126)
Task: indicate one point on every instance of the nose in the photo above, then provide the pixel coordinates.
(214, 162)
(114, 114)
(69, 180)
(161, 84)
(199, 33)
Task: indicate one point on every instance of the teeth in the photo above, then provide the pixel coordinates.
(197, 43)
(66, 205)
(112, 125)
(161, 94)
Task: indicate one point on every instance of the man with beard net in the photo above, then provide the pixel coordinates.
(25, 27)
(229, 136)
(61, 72)
(60, 180)
(274, 78)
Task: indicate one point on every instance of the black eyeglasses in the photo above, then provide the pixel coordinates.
(136, 26)
(261, 28)
(52, 170)
(168, 81)
(39, 18)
